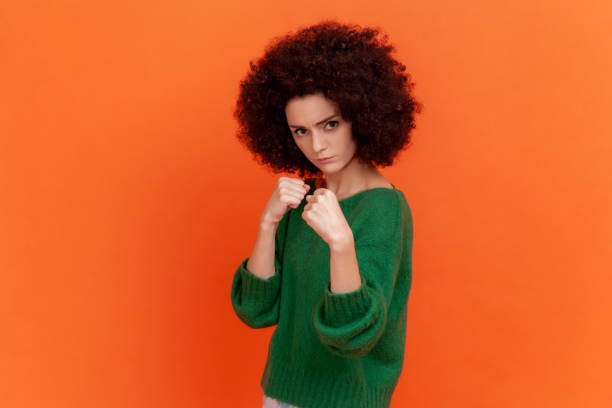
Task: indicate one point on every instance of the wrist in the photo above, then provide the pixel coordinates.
(342, 241)
(265, 224)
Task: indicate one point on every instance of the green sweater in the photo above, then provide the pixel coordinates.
(342, 350)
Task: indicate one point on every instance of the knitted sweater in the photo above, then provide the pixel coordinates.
(334, 350)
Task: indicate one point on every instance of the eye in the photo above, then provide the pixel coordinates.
(331, 121)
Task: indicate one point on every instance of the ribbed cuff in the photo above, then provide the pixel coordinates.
(255, 287)
(342, 308)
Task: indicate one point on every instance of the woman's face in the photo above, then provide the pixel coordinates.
(320, 132)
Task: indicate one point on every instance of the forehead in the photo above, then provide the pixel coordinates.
(310, 108)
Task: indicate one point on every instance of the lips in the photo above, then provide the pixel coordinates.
(324, 159)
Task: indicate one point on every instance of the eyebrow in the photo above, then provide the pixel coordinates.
(318, 123)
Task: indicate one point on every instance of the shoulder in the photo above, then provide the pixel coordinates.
(380, 200)
(383, 209)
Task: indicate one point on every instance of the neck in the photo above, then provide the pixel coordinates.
(354, 177)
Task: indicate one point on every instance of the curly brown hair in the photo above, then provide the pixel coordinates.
(351, 67)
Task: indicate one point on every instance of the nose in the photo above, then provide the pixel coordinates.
(318, 140)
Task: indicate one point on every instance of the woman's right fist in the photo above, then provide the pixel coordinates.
(289, 192)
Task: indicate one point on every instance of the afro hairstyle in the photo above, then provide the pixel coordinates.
(351, 67)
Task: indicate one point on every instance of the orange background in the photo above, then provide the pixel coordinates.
(126, 202)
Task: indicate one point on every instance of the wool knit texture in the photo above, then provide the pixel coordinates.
(334, 350)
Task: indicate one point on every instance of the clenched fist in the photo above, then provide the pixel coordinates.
(325, 217)
(289, 192)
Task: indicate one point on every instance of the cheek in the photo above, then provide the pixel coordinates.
(299, 145)
(348, 142)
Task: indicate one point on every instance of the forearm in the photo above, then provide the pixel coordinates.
(261, 261)
(343, 266)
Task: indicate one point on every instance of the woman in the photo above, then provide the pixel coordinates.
(332, 261)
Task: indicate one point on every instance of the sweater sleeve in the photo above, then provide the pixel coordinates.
(255, 300)
(350, 324)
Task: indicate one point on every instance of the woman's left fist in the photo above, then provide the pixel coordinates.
(325, 217)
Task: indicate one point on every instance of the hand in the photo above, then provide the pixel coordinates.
(289, 192)
(325, 217)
